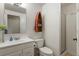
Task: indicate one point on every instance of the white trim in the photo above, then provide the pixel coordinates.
(22, 19)
(13, 13)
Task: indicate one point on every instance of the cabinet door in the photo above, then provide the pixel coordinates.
(10, 50)
(16, 53)
(28, 52)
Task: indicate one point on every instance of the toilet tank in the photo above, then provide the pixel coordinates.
(39, 42)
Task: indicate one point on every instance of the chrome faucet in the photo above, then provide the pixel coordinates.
(11, 38)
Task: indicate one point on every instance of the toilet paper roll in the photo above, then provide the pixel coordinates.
(35, 45)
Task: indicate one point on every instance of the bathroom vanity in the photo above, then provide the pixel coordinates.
(21, 47)
(15, 20)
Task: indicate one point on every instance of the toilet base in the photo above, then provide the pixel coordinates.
(45, 51)
(41, 54)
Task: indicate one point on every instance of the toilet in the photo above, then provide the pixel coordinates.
(43, 51)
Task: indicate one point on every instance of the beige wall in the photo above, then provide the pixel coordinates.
(32, 9)
(52, 21)
(70, 8)
(1, 12)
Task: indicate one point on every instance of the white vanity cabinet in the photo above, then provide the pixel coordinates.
(24, 49)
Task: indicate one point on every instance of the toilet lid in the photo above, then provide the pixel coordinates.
(46, 50)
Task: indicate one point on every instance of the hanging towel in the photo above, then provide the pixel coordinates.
(38, 22)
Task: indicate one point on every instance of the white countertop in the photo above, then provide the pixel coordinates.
(15, 42)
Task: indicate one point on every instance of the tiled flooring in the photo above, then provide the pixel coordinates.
(66, 54)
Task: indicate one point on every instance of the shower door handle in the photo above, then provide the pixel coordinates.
(75, 39)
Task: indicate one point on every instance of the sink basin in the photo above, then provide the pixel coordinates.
(11, 39)
(15, 38)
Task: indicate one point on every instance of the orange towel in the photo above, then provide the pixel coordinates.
(38, 22)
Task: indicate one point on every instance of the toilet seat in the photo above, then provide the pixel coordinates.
(46, 51)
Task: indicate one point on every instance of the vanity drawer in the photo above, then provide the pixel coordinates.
(28, 45)
(7, 50)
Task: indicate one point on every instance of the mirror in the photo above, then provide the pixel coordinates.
(13, 24)
(14, 19)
